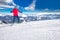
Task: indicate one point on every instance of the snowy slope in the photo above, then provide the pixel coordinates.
(36, 30)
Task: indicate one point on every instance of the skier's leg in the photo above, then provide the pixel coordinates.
(13, 19)
(18, 19)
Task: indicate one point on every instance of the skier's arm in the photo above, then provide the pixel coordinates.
(20, 11)
(11, 11)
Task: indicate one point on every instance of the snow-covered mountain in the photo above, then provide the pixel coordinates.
(31, 17)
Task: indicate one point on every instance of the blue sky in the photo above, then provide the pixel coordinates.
(40, 4)
(50, 4)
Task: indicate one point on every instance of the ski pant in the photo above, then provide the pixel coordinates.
(16, 17)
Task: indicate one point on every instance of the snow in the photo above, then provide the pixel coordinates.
(35, 30)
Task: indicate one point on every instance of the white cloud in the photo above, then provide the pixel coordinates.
(7, 6)
(13, 3)
(8, 1)
(3, 0)
(1, 8)
(31, 6)
(46, 9)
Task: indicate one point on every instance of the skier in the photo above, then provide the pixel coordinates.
(15, 12)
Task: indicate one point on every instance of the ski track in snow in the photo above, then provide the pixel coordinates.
(36, 30)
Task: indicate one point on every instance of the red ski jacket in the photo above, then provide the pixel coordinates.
(15, 12)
